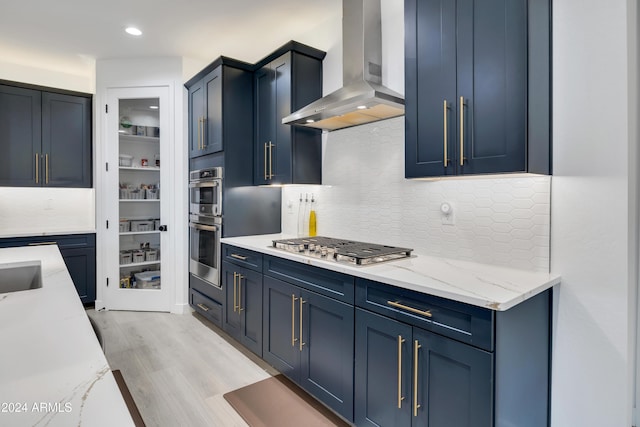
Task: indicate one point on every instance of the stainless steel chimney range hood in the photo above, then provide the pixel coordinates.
(363, 98)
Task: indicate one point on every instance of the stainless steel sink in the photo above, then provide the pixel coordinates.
(20, 276)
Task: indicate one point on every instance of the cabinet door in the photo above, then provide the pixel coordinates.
(232, 319)
(431, 146)
(454, 386)
(492, 81)
(265, 122)
(250, 308)
(196, 119)
(20, 137)
(281, 155)
(383, 371)
(280, 345)
(213, 122)
(81, 263)
(66, 140)
(326, 340)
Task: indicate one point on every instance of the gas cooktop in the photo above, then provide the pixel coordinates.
(340, 250)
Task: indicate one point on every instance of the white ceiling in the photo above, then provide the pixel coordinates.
(69, 35)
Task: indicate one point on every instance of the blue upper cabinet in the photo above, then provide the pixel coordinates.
(285, 81)
(205, 114)
(45, 138)
(477, 87)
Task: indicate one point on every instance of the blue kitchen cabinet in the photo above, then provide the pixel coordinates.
(408, 376)
(309, 338)
(446, 363)
(79, 254)
(205, 119)
(46, 138)
(20, 138)
(285, 81)
(477, 87)
(243, 305)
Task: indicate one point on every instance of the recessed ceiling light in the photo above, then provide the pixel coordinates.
(133, 31)
(153, 107)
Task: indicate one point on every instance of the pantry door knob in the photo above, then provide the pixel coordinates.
(162, 228)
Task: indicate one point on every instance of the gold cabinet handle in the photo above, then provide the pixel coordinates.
(203, 307)
(204, 133)
(416, 347)
(199, 120)
(235, 292)
(265, 162)
(396, 304)
(462, 131)
(446, 128)
(240, 257)
(271, 159)
(46, 168)
(37, 169)
(240, 277)
(293, 320)
(42, 243)
(301, 342)
(400, 397)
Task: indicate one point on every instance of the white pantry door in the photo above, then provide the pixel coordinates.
(138, 200)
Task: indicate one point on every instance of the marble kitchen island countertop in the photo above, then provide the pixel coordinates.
(493, 287)
(52, 369)
(51, 232)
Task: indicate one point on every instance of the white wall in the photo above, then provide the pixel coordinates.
(148, 72)
(15, 68)
(593, 211)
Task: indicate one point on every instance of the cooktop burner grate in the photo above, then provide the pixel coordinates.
(348, 251)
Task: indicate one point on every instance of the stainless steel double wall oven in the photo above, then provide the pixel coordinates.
(205, 223)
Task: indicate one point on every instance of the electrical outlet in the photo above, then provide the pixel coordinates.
(448, 217)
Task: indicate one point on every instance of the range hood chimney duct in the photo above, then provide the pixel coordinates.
(363, 98)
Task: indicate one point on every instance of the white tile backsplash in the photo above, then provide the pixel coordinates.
(35, 211)
(499, 220)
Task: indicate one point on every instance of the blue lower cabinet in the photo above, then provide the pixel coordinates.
(78, 252)
(243, 301)
(309, 337)
(406, 376)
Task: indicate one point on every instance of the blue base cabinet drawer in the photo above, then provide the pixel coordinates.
(207, 307)
(242, 257)
(462, 322)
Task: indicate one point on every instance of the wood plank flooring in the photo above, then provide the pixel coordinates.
(177, 367)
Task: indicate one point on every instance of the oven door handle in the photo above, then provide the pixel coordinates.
(203, 227)
(209, 184)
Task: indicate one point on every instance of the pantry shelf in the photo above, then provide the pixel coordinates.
(139, 264)
(134, 233)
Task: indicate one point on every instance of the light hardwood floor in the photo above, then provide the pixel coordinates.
(177, 367)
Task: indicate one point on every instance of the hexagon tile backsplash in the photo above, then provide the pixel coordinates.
(500, 220)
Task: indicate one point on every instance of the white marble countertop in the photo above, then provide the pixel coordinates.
(60, 232)
(52, 369)
(483, 285)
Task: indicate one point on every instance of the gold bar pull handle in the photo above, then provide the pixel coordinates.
(199, 119)
(235, 292)
(293, 320)
(462, 131)
(46, 168)
(446, 132)
(265, 162)
(271, 159)
(37, 169)
(240, 277)
(416, 347)
(240, 257)
(42, 243)
(302, 343)
(396, 304)
(400, 397)
(204, 133)
(203, 307)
